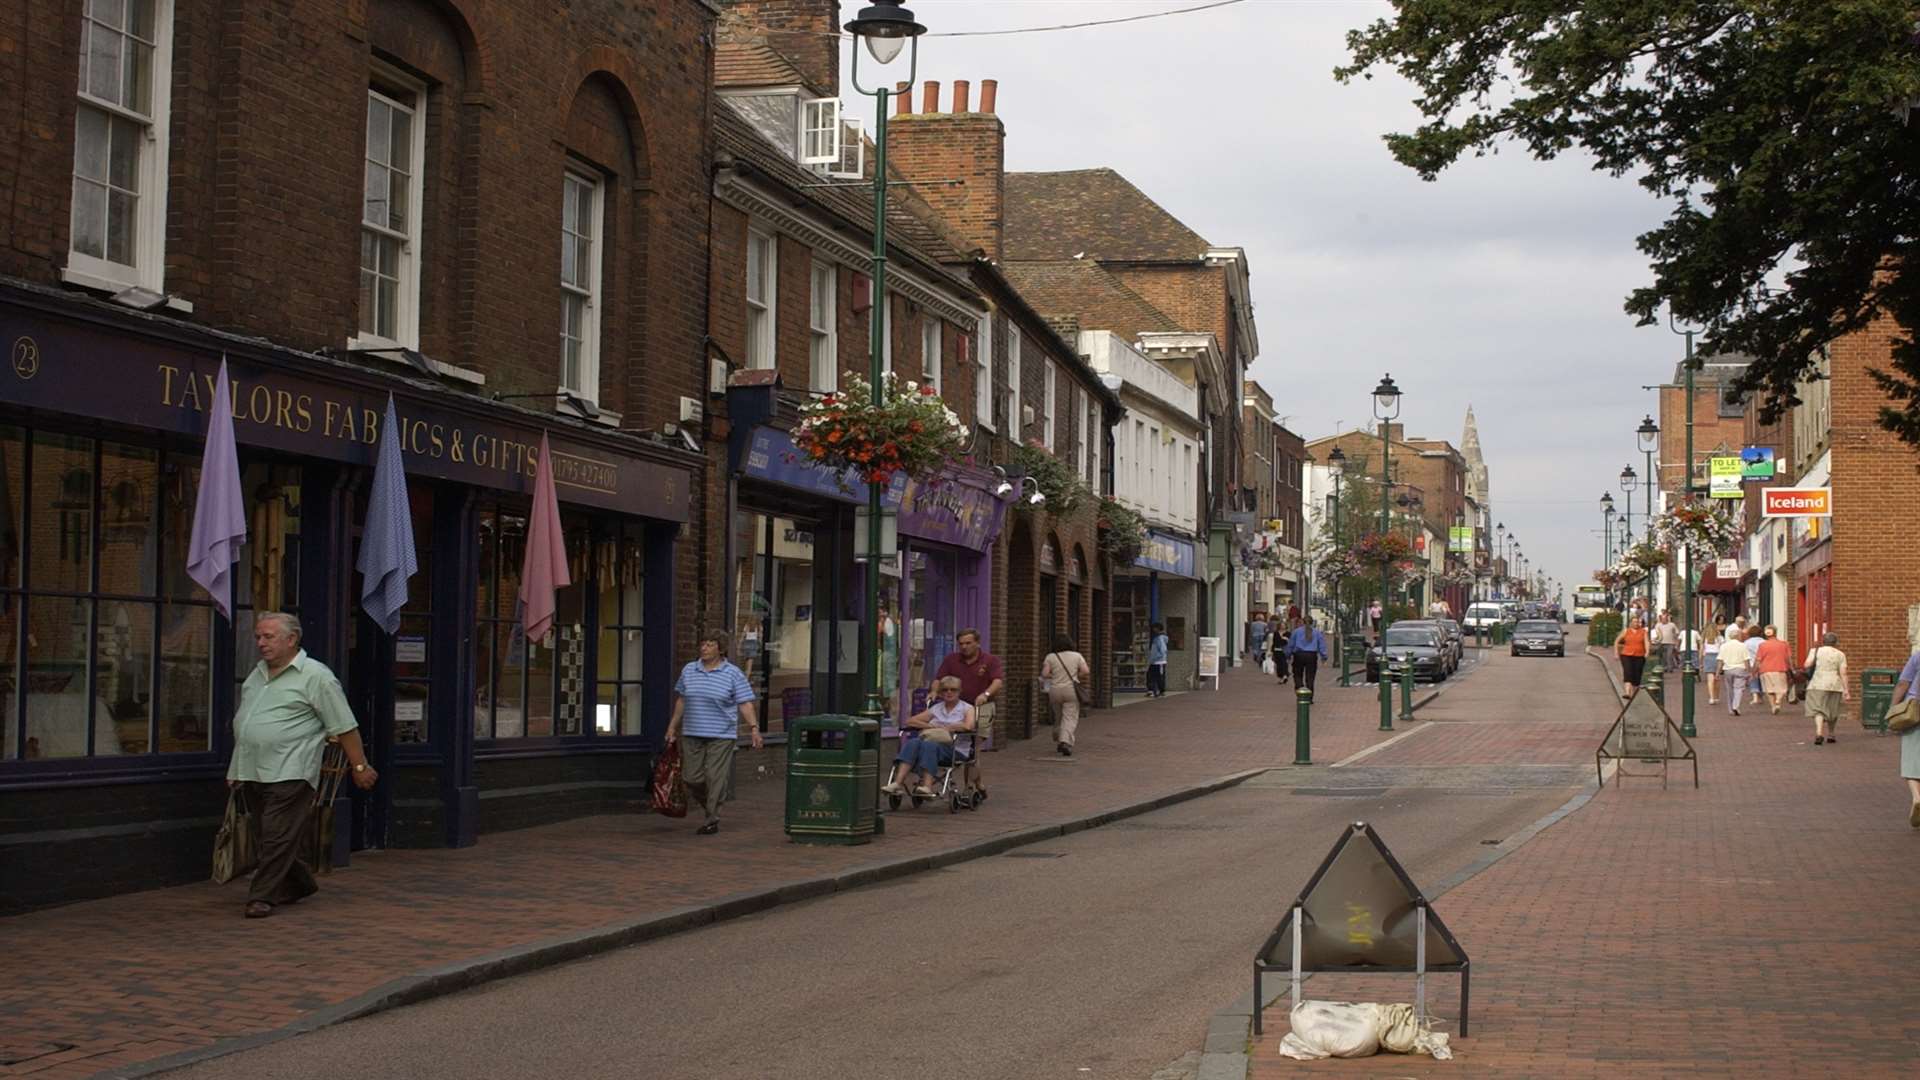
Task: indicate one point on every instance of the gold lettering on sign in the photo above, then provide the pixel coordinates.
(26, 357)
(586, 473)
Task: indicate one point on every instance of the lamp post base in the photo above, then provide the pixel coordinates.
(1688, 677)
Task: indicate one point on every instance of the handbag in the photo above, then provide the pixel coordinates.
(1082, 693)
(669, 789)
(938, 736)
(1904, 717)
(235, 851)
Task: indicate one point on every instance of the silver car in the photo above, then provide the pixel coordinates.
(1539, 637)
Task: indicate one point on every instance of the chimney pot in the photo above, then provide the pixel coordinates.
(903, 101)
(960, 88)
(989, 90)
(930, 96)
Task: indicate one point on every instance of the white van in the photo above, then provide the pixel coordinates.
(1481, 616)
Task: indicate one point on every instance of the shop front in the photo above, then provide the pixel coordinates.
(118, 677)
(799, 596)
(1161, 586)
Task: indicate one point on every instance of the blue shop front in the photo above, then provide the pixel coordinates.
(1162, 585)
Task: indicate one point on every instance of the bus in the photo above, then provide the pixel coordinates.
(1588, 601)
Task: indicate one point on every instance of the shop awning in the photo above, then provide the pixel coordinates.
(1712, 582)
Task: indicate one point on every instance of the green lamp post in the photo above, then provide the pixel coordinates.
(1628, 481)
(1689, 671)
(884, 28)
(1386, 409)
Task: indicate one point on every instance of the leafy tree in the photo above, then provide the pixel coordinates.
(1780, 128)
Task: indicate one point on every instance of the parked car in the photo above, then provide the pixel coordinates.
(1539, 636)
(1448, 656)
(1422, 644)
(1482, 616)
(1456, 640)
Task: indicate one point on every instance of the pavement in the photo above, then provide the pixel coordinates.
(1762, 925)
(141, 983)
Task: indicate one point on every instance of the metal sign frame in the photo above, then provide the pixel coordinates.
(1424, 918)
(1626, 753)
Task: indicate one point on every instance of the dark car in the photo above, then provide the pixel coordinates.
(1449, 657)
(1422, 644)
(1539, 636)
(1456, 640)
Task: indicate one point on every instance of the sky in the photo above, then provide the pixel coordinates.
(1499, 285)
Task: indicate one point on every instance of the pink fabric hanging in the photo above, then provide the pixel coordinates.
(544, 569)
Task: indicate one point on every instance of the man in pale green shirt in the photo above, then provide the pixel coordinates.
(290, 706)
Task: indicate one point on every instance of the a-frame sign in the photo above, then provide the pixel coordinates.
(1360, 912)
(1643, 732)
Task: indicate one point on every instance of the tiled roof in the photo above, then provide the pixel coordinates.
(1095, 213)
(752, 63)
(851, 201)
(1081, 288)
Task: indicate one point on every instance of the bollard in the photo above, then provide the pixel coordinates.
(1406, 691)
(1655, 681)
(1386, 695)
(1302, 726)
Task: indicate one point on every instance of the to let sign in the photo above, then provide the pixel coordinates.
(1796, 502)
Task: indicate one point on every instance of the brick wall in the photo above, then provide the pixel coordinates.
(803, 31)
(1875, 479)
(932, 148)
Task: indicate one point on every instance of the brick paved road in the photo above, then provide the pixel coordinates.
(133, 978)
(1761, 926)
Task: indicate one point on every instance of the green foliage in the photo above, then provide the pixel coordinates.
(1603, 629)
(1123, 533)
(1066, 492)
(1780, 131)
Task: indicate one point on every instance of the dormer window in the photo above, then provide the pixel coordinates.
(831, 144)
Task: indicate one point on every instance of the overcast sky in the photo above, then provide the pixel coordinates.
(1499, 285)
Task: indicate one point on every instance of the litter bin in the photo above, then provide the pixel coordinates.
(832, 779)
(1876, 697)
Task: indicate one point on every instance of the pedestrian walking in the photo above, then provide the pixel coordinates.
(1909, 687)
(711, 699)
(1631, 647)
(1771, 659)
(982, 680)
(1065, 672)
(1277, 648)
(1307, 647)
(1257, 638)
(1736, 664)
(1710, 663)
(1826, 687)
(1373, 616)
(1666, 635)
(1157, 661)
(291, 705)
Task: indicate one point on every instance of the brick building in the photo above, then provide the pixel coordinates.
(1431, 471)
(1720, 428)
(343, 203)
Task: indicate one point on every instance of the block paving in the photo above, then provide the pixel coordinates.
(1759, 926)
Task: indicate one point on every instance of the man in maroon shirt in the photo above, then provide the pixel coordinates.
(982, 678)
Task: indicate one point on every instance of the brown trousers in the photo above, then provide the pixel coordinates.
(282, 819)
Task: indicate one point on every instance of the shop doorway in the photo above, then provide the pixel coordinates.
(930, 605)
(1049, 610)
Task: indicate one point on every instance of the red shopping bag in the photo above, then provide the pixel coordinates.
(669, 791)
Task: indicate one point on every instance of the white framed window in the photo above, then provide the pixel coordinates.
(1017, 428)
(820, 132)
(390, 211)
(931, 341)
(118, 227)
(1185, 489)
(762, 270)
(1047, 401)
(1136, 453)
(1154, 496)
(580, 215)
(1077, 420)
(1096, 435)
(822, 319)
(983, 373)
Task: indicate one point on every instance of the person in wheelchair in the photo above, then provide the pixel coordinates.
(941, 735)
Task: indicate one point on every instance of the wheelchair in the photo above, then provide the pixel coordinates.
(958, 785)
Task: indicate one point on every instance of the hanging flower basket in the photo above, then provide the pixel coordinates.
(1648, 556)
(909, 430)
(1626, 571)
(1457, 576)
(1341, 565)
(1706, 532)
(1375, 548)
(1123, 533)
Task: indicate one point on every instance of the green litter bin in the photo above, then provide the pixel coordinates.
(1876, 697)
(833, 767)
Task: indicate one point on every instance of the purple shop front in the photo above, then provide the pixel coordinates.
(942, 580)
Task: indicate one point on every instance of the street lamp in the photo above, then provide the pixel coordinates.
(1689, 673)
(1628, 481)
(1649, 433)
(884, 27)
(1606, 534)
(1337, 461)
(1386, 409)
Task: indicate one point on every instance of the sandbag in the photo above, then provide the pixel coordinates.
(1323, 1029)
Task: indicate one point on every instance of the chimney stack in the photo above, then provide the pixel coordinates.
(957, 162)
(902, 100)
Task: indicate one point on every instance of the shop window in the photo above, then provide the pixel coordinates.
(778, 626)
(413, 643)
(619, 573)
(529, 689)
(105, 646)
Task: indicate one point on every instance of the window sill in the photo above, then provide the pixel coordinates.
(110, 285)
(602, 417)
(366, 344)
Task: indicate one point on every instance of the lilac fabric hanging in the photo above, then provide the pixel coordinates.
(544, 570)
(219, 509)
(387, 556)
